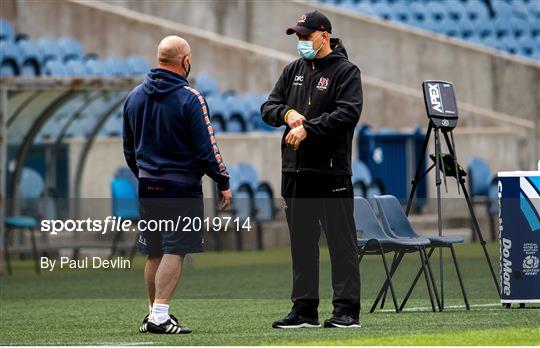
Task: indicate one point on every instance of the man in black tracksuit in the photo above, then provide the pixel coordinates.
(319, 98)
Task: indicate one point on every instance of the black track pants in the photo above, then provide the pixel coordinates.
(313, 201)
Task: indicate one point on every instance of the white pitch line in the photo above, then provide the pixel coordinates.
(419, 309)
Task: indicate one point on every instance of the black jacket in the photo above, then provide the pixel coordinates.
(328, 92)
(167, 129)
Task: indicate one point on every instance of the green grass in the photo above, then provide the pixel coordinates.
(232, 298)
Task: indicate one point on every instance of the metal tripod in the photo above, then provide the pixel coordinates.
(440, 167)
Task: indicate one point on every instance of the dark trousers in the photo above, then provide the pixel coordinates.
(313, 201)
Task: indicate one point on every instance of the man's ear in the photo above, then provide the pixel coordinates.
(327, 36)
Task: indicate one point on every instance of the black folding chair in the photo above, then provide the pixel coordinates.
(375, 241)
(396, 224)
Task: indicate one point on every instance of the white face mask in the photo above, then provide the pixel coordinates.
(305, 49)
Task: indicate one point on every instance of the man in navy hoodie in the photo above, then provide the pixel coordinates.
(169, 145)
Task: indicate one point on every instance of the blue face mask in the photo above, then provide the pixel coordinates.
(305, 49)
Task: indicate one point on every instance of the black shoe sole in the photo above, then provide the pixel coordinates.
(341, 326)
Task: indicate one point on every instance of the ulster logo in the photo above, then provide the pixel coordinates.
(322, 85)
(302, 18)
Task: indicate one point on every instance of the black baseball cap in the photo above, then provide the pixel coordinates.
(309, 22)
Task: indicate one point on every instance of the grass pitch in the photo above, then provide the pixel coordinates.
(232, 298)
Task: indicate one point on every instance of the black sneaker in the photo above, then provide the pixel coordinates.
(295, 321)
(143, 329)
(342, 320)
(171, 326)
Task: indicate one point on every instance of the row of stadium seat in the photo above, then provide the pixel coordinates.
(20, 56)
(226, 120)
(231, 112)
(514, 26)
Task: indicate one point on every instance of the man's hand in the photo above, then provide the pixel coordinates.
(295, 137)
(295, 119)
(225, 198)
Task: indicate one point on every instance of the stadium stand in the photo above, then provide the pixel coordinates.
(66, 57)
(512, 26)
(242, 109)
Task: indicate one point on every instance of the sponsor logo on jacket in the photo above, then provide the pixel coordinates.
(322, 85)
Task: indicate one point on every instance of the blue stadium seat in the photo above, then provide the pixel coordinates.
(124, 199)
(264, 203)
(477, 11)
(502, 26)
(467, 30)
(466, 19)
(485, 29)
(238, 117)
(253, 104)
(383, 10)
(9, 59)
(247, 174)
(138, 65)
(430, 24)
(6, 31)
(449, 27)
(31, 58)
(117, 67)
(520, 27)
(49, 49)
(76, 67)
(519, 9)
(437, 10)
(70, 48)
(457, 11)
(534, 9)
(502, 9)
(55, 67)
(534, 26)
(32, 184)
(96, 67)
(527, 46)
(30, 192)
(243, 192)
(510, 45)
(419, 12)
(206, 84)
(218, 112)
(402, 11)
(479, 177)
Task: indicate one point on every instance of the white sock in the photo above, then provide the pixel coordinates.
(160, 313)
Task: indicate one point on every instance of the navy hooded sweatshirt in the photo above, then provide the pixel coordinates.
(167, 129)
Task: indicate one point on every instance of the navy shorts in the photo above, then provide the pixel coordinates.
(175, 206)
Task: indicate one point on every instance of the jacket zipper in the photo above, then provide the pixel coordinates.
(307, 109)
